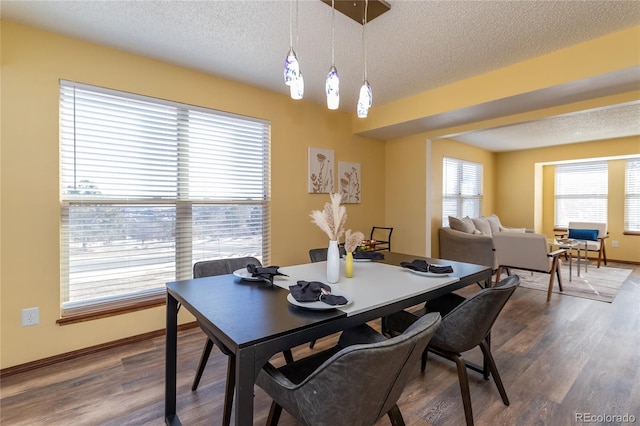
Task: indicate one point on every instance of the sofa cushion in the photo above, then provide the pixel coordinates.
(462, 225)
(584, 234)
(494, 222)
(513, 230)
(482, 225)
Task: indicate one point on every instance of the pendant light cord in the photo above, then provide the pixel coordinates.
(291, 24)
(333, 34)
(364, 36)
(297, 20)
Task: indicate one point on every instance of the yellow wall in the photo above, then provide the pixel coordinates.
(515, 183)
(516, 187)
(405, 188)
(448, 148)
(401, 177)
(32, 63)
(408, 211)
(628, 245)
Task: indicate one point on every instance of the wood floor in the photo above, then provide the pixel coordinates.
(556, 359)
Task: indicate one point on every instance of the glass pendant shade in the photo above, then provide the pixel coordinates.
(291, 68)
(362, 110)
(366, 96)
(365, 100)
(297, 88)
(332, 86)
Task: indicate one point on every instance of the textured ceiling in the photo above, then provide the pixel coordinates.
(602, 123)
(414, 47)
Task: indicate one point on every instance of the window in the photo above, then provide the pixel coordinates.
(148, 187)
(632, 196)
(461, 189)
(581, 193)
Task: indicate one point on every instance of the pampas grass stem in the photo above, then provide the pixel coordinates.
(352, 240)
(332, 218)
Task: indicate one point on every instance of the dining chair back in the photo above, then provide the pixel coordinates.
(320, 254)
(469, 323)
(208, 268)
(382, 235)
(467, 326)
(355, 386)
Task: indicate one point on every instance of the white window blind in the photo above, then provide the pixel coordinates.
(581, 193)
(461, 189)
(632, 195)
(148, 187)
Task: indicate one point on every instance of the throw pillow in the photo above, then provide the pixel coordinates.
(482, 225)
(584, 234)
(470, 224)
(494, 222)
(461, 225)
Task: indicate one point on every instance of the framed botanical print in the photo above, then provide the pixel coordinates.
(349, 181)
(321, 165)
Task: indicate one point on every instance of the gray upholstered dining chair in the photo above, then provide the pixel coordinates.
(208, 268)
(320, 254)
(355, 383)
(466, 324)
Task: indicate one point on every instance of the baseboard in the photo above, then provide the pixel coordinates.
(21, 368)
(628, 262)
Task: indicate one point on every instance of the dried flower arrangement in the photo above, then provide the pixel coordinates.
(332, 218)
(352, 240)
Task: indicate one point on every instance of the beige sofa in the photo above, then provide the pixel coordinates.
(465, 247)
(470, 240)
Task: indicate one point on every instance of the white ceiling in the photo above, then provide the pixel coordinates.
(414, 47)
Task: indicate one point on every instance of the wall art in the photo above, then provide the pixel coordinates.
(349, 179)
(321, 165)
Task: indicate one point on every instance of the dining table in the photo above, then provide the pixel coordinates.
(257, 319)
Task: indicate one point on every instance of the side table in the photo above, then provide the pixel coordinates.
(570, 245)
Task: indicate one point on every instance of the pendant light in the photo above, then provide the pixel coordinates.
(332, 84)
(291, 66)
(366, 96)
(297, 86)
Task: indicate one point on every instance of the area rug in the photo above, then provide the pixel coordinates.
(598, 283)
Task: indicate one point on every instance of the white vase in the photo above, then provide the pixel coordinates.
(333, 262)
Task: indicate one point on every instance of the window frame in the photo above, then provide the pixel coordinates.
(571, 191)
(183, 206)
(632, 196)
(464, 170)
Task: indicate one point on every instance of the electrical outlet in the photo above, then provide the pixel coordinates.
(614, 243)
(30, 316)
